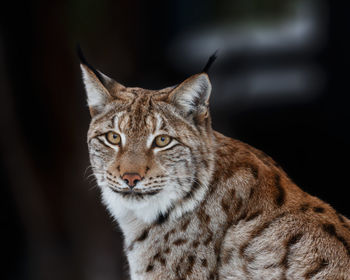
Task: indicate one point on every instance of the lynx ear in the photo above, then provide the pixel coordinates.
(100, 89)
(192, 95)
(97, 95)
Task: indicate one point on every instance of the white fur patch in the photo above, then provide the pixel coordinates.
(195, 89)
(97, 95)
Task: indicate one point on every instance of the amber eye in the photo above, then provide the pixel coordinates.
(162, 140)
(113, 138)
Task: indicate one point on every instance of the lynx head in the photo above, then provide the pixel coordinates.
(151, 150)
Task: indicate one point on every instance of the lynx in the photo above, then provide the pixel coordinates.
(194, 204)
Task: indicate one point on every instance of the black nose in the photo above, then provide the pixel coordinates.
(131, 179)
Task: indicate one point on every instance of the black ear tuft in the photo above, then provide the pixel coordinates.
(211, 60)
(83, 61)
(81, 55)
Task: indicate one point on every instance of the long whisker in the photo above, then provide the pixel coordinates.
(89, 168)
(94, 186)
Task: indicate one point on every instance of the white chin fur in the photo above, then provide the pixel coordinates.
(147, 209)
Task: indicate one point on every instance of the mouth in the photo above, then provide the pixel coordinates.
(136, 193)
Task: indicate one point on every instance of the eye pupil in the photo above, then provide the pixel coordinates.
(113, 138)
(162, 140)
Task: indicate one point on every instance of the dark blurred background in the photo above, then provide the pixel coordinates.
(280, 84)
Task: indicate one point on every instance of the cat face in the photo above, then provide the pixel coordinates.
(149, 150)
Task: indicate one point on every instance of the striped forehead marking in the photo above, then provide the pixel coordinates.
(156, 126)
(116, 119)
(121, 120)
(154, 122)
(159, 123)
(150, 123)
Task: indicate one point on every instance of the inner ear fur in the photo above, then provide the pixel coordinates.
(98, 95)
(100, 88)
(191, 97)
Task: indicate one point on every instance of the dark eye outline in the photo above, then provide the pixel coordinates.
(157, 137)
(112, 133)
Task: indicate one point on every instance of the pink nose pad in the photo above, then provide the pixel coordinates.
(131, 179)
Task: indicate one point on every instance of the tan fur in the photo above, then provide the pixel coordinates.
(237, 214)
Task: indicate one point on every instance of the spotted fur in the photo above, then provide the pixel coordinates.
(207, 206)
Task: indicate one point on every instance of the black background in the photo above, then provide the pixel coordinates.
(52, 223)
